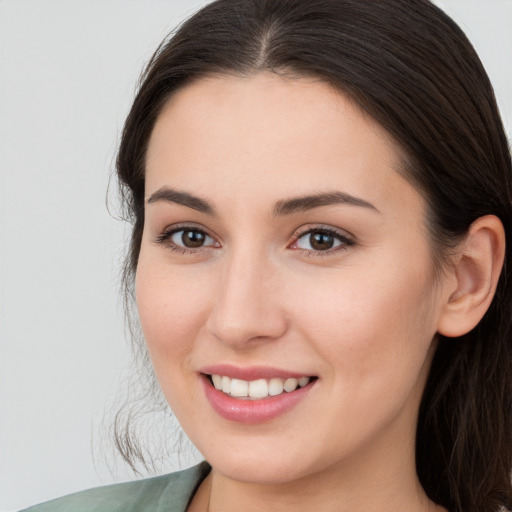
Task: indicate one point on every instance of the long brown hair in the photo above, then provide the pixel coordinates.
(411, 68)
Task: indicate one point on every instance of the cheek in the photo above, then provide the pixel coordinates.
(374, 342)
(373, 327)
(172, 307)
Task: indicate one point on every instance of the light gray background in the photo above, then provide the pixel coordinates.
(68, 70)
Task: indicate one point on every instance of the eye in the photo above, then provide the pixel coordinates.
(191, 238)
(186, 238)
(322, 240)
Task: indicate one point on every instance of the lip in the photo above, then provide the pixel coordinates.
(251, 411)
(250, 373)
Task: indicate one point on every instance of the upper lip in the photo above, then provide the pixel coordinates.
(251, 372)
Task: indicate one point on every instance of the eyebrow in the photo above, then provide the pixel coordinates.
(305, 203)
(281, 208)
(184, 198)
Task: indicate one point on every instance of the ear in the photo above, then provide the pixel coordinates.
(475, 274)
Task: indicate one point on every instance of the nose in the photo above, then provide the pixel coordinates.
(247, 305)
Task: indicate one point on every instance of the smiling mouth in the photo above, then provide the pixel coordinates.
(257, 389)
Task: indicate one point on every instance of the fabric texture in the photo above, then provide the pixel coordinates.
(168, 493)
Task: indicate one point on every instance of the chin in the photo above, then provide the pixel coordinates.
(258, 472)
(268, 466)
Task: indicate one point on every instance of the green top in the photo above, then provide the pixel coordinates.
(168, 493)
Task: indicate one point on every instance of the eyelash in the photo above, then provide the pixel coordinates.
(164, 238)
(345, 240)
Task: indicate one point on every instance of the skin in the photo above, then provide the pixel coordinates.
(362, 316)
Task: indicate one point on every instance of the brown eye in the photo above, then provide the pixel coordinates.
(322, 240)
(191, 239)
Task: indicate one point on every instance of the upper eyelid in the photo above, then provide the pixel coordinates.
(304, 230)
(174, 228)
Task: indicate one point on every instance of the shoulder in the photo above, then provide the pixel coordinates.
(169, 493)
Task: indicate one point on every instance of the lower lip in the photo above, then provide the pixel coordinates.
(252, 411)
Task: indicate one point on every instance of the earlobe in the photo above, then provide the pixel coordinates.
(476, 271)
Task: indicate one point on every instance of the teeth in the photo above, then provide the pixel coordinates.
(304, 381)
(226, 385)
(275, 387)
(256, 389)
(217, 381)
(290, 385)
(239, 387)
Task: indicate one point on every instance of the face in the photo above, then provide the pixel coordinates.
(286, 261)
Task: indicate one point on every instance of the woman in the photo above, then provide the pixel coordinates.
(321, 201)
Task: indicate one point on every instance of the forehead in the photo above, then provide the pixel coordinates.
(276, 135)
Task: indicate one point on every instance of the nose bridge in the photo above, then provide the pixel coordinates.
(247, 306)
